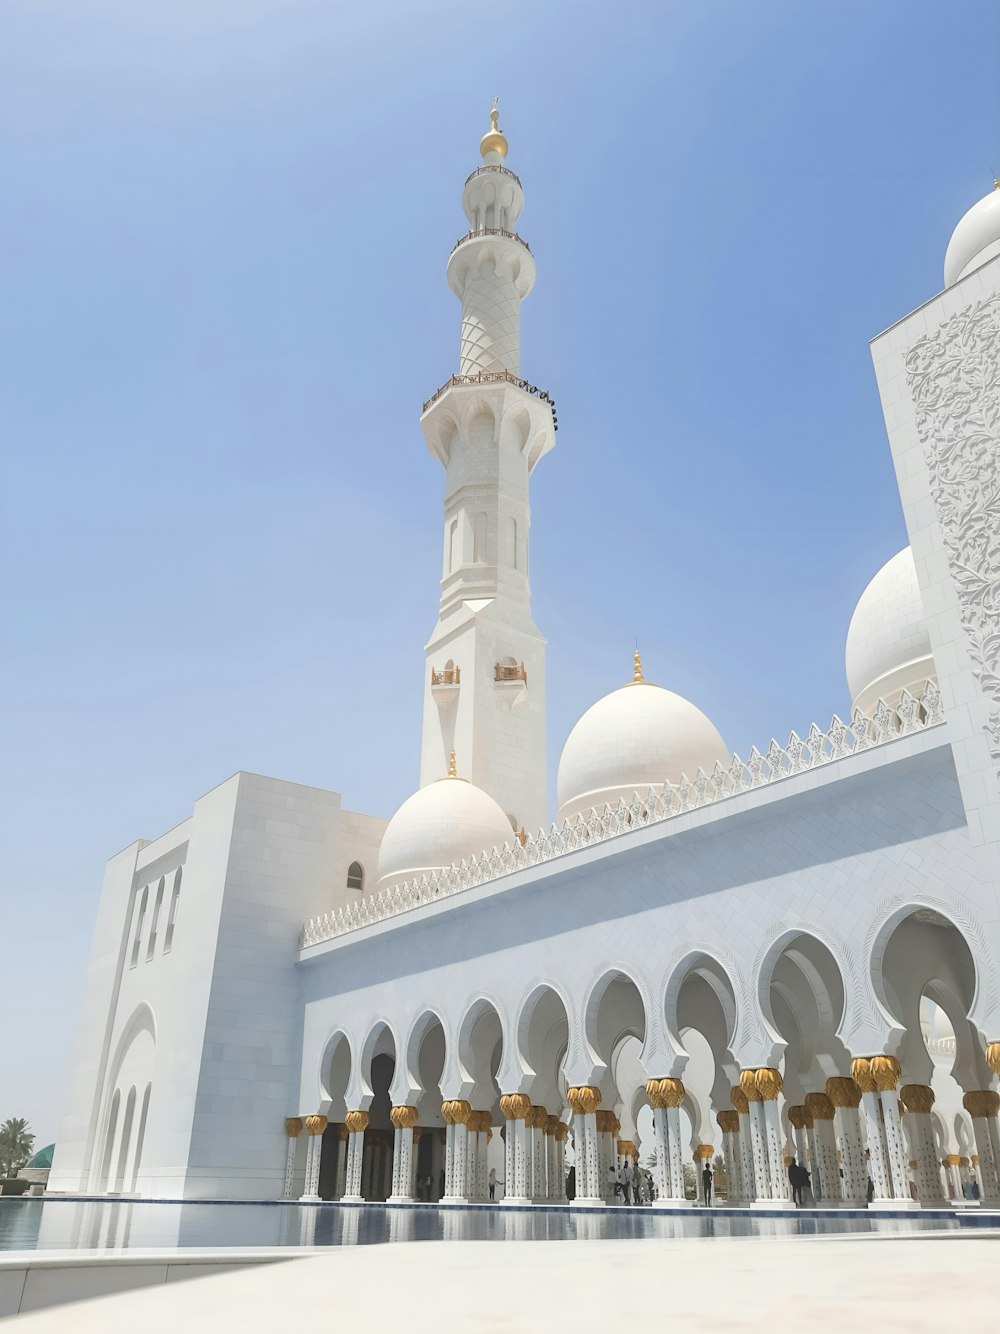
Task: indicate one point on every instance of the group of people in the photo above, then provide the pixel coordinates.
(630, 1183)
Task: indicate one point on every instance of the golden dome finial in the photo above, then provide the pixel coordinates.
(452, 766)
(637, 677)
(493, 141)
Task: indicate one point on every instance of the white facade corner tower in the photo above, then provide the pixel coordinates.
(484, 691)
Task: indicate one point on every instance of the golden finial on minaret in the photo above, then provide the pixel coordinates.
(493, 141)
(452, 766)
(637, 677)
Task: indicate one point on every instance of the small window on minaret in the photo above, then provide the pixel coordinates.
(355, 876)
(479, 538)
(512, 543)
(452, 544)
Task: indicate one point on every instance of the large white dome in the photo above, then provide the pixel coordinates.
(638, 737)
(888, 647)
(443, 823)
(975, 240)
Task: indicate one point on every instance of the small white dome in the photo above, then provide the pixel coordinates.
(975, 240)
(638, 737)
(888, 647)
(443, 823)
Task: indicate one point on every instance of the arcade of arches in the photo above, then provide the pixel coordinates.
(913, 1125)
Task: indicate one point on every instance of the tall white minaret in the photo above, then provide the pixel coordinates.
(484, 693)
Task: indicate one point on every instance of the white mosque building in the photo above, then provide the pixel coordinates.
(793, 952)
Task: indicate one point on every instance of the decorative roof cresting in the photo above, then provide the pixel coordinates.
(865, 732)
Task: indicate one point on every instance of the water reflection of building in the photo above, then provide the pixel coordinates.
(795, 952)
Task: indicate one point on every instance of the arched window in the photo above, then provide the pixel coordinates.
(168, 939)
(157, 909)
(479, 538)
(452, 545)
(512, 542)
(140, 918)
(355, 876)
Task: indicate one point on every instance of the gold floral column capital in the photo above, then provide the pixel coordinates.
(670, 1091)
(356, 1122)
(516, 1106)
(799, 1117)
(705, 1152)
(316, 1124)
(843, 1091)
(739, 1099)
(885, 1072)
(769, 1083)
(404, 1118)
(819, 1106)
(993, 1057)
(748, 1083)
(917, 1097)
(728, 1122)
(982, 1102)
(293, 1126)
(861, 1073)
(584, 1100)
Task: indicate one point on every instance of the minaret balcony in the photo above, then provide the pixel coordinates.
(495, 377)
(477, 232)
(482, 171)
(510, 672)
(511, 683)
(518, 407)
(447, 676)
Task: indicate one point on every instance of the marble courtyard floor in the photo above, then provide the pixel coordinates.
(926, 1282)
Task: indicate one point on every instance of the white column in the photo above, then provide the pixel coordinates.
(449, 1158)
(357, 1124)
(315, 1125)
(584, 1102)
(877, 1165)
(918, 1099)
(846, 1098)
(673, 1153)
(953, 1169)
(742, 1105)
(769, 1082)
(814, 1173)
(559, 1159)
(885, 1073)
(292, 1128)
(460, 1165)
(758, 1148)
(342, 1138)
(982, 1105)
(729, 1124)
(797, 1117)
(515, 1107)
(827, 1189)
(403, 1165)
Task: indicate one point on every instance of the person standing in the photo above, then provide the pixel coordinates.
(614, 1184)
(493, 1183)
(796, 1179)
(627, 1181)
(706, 1183)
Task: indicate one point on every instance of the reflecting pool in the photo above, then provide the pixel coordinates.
(53, 1224)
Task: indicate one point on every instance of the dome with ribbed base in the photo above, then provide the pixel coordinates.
(636, 738)
(444, 822)
(888, 647)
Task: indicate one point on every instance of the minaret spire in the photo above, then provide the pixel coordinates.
(485, 671)
(493, 142)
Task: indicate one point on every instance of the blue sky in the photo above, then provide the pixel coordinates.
(223, 233)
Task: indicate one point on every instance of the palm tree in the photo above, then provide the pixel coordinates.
(16, 1143)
